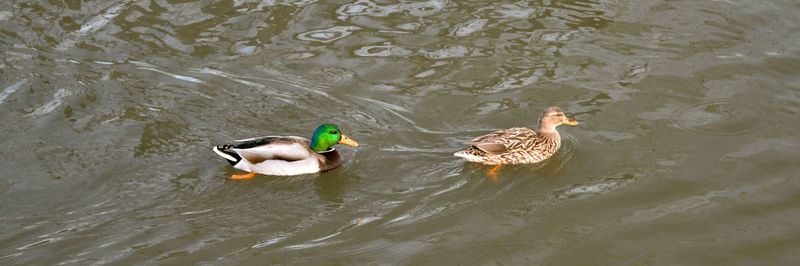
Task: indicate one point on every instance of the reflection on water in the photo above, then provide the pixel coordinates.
(328, 35)
(687, 135)
(720, 118)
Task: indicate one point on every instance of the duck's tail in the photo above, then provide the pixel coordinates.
(467, 156)
(225, 151)
(459, 154)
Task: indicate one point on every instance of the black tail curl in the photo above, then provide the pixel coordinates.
(226, 148)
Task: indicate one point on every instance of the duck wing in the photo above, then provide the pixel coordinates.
(506, 140)
(257, 150)
(494, 148)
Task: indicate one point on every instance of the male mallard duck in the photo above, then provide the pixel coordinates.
(286, 155)
(519, 145)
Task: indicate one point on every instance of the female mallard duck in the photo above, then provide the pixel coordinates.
(286, 155)
(519, 145)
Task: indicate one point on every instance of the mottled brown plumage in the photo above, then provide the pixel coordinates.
(519, 145)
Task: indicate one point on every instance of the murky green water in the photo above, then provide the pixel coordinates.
(687, 151)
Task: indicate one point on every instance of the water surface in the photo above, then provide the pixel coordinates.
(686, 153)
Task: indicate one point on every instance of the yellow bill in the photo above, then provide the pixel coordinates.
(348, 141)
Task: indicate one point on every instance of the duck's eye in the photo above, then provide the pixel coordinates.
(333, 132)
(559, 114)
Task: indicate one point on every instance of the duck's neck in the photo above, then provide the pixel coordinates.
(545, 129)
(330, 160)
(550, 134)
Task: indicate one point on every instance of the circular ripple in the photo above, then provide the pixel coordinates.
(382, 51)
(721, 118)
(569, 145)
(328, 35)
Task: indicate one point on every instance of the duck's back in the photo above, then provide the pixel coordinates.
(517, 145)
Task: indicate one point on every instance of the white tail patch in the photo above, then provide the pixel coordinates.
(224, 155)
(468, 157)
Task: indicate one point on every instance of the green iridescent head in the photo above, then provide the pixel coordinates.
(328, 135)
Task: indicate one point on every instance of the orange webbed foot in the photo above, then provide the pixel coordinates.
(493, 172)
(246, 176)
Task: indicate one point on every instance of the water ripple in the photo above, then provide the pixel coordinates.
(455, 51)
(382, 51)
(760, 146)
(719, 117)
(328, 35)
(368, 8)
(95, 24)
(146, 66)
(11, 89)
(58, 98)
(469, 27)
(693, 202)
(229, 76)
(579, 191)
(269, 242)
